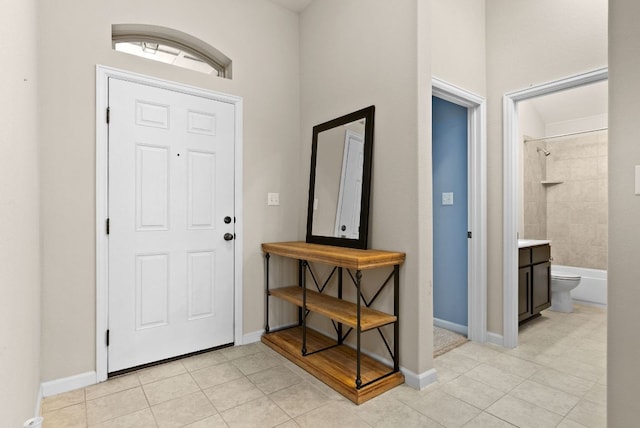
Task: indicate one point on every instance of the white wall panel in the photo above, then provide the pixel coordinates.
(152, 282)
(201, 284)
(152, 188)
(154, 115)
(201, 123)
(201, 192)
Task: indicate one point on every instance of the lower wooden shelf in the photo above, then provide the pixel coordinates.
(335, 366)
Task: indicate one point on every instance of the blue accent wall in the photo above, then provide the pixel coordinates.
(450, 222)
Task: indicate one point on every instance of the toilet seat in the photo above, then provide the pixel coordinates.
(564, 275)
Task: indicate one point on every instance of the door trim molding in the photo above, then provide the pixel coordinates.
(103, 73)
(511, 150)
(477, 176)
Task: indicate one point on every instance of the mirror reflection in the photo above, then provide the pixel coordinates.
(340, 180)
(338, 184)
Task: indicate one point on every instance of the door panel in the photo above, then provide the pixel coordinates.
(524, 291)
(201, 284)
(541, 294)
(152, 188)
(201, 189)
(152, 290)
(171, 285)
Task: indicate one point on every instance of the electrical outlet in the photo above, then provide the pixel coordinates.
(273, 199)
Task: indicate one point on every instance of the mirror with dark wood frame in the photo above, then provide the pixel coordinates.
(340, 182)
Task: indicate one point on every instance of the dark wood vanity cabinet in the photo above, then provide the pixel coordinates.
(534, 281)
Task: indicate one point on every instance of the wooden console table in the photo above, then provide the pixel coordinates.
(347, 370)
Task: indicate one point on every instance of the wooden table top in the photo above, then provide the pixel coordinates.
(350, 258)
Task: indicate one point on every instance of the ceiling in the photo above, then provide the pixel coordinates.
(296, 6)
(584, 101)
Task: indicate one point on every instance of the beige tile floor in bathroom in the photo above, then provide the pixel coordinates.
(554, 378)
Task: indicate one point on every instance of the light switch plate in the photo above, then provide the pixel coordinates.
(637, 179)
(447, 198)
(273, 199)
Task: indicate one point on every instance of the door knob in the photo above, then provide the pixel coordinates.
(228, 236)
(227, 220)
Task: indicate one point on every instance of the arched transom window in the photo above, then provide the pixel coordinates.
(171, 47)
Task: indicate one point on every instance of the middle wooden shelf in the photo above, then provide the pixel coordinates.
(336, 309)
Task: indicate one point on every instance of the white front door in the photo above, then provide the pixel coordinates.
(171, 190)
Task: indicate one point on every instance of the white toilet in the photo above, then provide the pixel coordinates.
(561, 285)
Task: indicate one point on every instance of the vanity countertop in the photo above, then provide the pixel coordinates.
(524, 243)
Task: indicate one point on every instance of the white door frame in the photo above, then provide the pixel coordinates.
(102, 243)
(477, 199)
(511, 150)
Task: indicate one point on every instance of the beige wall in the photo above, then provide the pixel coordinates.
(261, 39)
(19, 214)
(623, 375)
(354, 54)
(531, 126)
(458, 52)
(530, 42)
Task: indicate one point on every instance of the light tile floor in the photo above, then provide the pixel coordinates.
(554, 378)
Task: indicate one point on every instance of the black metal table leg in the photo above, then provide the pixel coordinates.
(358, 329)
(340, 338)
(300, 273)
(396, 312)
(266, 310)
(304, 306)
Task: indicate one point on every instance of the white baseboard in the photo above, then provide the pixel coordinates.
(67, 384)
(251, 337)
(38, 402)
(257, 335)
(419, 381)
(458, 328)
(496, 339)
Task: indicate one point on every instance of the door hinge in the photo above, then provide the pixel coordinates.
(107, 226)
(107, 337)
(469, 234)
(108, 114)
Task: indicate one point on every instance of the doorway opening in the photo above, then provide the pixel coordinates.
(476, 206)
(450, 216)
(513, 148)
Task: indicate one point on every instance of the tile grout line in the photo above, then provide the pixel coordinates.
(207, 397)
(144, 392)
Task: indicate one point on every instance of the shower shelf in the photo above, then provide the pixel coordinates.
(551, 182)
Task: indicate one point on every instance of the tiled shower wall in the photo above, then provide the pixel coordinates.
(535, 194)
(576, 207)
